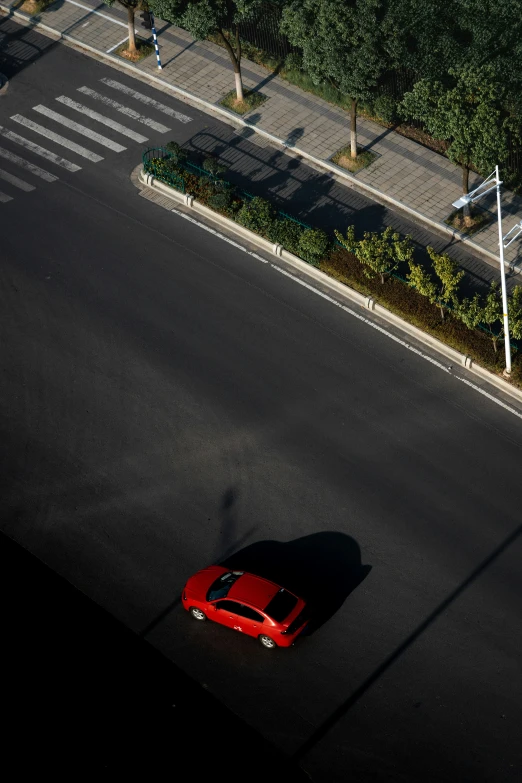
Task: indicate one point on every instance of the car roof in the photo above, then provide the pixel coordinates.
(253, 590)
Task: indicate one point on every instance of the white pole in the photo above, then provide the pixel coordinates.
(503, 280)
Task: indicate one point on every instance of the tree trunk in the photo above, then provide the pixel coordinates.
(235, 57)
(353, 129)
(495, 347)
(441, 311)
(465, 189)
(130, 22)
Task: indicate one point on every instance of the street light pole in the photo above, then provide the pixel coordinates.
(491, 183)
(503, 279)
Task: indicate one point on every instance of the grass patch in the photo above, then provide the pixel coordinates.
(476, 222)
(144, 48)
(251, 101)
(33, 7)
(344, 159)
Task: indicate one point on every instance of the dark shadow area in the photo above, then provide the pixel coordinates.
(322, 568)
(228, 542)
(386, 132)
(268, 78)
(321, 201)
(342, 710)
(21, 46)
(294, 136)
(252, 119)
(83, 694)
(175, 56)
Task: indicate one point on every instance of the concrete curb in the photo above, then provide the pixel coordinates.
(188, 97)
(335, 287)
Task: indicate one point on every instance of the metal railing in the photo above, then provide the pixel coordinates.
(153, 158)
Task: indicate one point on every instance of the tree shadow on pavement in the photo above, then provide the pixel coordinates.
(323, 568)
(319, 199)
(21, 46)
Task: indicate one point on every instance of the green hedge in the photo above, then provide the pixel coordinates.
(404, 301)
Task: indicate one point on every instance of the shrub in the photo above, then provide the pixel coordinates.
(385, 108)
(313, 245)
(213, 166)
(221, 201)
(178, 154)
(294, 62)
(288, 234)
(258, 215)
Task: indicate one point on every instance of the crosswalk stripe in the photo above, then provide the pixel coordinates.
(24, 164)
(32, 147)
(123, 109)
(146, 99)
(101, 118)
(18, 183)
(71, 145)
(75, 126)
(5, 198)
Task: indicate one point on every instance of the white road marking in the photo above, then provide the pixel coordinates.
(98, 13)
(102, 119)
(147, 100)
(4, 198)
(116, 45)
(75, 126)
(30, 145)
(24, 164)
(18, 183)
(71, 145)
(124, 109)
(357, 315)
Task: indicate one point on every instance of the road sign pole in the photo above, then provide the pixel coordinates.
(155, 41)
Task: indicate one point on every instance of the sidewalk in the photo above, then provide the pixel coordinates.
(405, 175)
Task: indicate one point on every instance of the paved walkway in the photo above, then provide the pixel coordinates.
(405, 174)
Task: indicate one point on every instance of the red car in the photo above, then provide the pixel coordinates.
(246, 603)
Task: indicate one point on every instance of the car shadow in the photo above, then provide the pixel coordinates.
(322, 568)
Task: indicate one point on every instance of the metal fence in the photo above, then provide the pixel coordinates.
(150, 159)
(262, 30)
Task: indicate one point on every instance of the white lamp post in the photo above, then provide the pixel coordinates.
(490, 184)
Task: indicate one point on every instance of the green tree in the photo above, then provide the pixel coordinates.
(449, 275)
(428, 35)
(515, 313)
(422, 281)
(131, 6)
(346, 43)
(493, 313)
(212, 17)
(471, 311)
(466, 111)
(381, 253)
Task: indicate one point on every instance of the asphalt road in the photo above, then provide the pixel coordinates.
(168, 400)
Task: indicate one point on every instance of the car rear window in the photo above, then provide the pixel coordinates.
(281, 605)
(220, 588)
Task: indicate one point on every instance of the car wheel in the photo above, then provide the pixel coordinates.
(267, 642)
(197, 614)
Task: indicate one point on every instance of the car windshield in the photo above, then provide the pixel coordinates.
(281, 605)
(220, 588)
